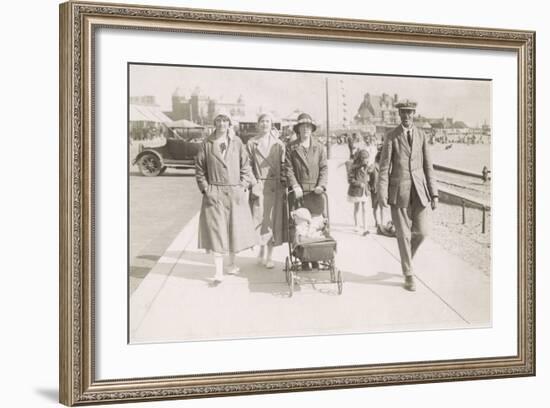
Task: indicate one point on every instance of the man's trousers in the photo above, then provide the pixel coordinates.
(411, 226)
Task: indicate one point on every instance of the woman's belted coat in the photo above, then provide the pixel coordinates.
(225, 223)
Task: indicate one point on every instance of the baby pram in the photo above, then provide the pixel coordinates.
(321, 251)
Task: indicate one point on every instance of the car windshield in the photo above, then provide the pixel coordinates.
(187, 134)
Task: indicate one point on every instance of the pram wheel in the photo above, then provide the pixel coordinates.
(291, 284)
(340, 282)
(332, 272)
(287, 270)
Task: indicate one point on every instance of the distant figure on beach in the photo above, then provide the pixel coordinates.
(408, 187)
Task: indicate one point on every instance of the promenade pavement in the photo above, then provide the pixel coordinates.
(177, 302)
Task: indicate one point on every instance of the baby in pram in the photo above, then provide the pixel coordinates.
(308, 228)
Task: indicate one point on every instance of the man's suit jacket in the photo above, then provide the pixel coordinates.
(306, 170)
(402, 167)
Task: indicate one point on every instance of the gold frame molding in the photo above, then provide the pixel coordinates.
(78, 22)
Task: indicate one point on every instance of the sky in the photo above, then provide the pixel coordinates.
(284, 92)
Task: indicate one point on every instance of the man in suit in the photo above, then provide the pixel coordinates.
(407, 183)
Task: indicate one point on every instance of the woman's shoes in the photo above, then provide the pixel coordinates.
(233, 270)
(260, 260)
(268, 263)
(216, 280)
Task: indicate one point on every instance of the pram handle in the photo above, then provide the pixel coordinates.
(289, 191)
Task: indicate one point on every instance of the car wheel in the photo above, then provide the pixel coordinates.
(149, 165)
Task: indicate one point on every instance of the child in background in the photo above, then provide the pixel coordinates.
(387, 229)
(373, 183)
(358, 179)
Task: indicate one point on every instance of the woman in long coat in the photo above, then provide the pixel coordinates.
(224, 178)
(306, 166)
(267, 155)
(306, 169)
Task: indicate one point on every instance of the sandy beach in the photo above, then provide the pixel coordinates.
(463, 156)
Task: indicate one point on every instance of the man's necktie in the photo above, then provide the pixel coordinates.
(223, 147)
(410, 138)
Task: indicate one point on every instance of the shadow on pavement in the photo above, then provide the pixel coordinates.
(139, 271)
(380, 278)
(331, 288)
(149, 257)
(263, 280)
(196, 266)
(199, 266)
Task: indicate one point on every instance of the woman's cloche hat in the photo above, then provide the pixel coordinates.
(304, 118)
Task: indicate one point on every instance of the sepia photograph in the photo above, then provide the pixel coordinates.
(269, 203)
(258, 203)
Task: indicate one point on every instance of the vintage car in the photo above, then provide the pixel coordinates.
(249, 128)
(179, 151)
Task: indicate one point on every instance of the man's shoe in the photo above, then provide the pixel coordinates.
(410, 285)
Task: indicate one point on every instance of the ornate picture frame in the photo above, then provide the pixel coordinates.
(78, 24)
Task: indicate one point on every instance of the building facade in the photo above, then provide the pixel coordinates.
(201, 109)
(377, 110)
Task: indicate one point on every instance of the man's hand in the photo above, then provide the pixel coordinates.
(298, 193)
(435, 201)
(318, 190)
